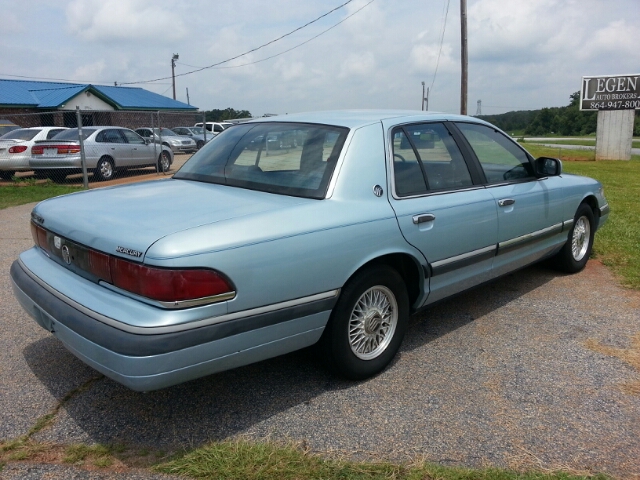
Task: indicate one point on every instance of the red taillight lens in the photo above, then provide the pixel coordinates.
(39, 235)
(17, 149)
(68, 149)
(167, 285)
(37, 150)
(99, 265)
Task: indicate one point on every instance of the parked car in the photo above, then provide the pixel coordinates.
(107, 149)
(215, 127)
(196, 133)
(240, 257)
(168, 138)
(7, 126)
(15, 148)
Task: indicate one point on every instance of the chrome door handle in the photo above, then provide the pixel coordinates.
(504, 202)
(423, 218)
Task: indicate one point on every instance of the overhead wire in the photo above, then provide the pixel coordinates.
(247, 52)
(444, 26)
(294, 47)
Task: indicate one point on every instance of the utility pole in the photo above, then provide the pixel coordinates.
(464, 58)
(173, 73)
(423, 96)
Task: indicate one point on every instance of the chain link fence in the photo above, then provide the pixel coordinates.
(79, 150)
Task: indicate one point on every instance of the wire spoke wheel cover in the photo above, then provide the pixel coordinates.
(581, 238)
(373, 322)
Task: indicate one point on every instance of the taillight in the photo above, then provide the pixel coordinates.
(172, 287)
(39, 235)
(63, 149)
(167, 285)
(17, 149)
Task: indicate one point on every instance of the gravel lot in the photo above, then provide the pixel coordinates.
(511, 374)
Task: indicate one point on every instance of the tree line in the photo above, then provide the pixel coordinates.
(218, 115)
(565, 121)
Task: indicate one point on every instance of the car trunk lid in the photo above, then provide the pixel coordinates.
(127, 220)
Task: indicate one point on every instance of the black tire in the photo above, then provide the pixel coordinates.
(199, 144)
(367, 324)
(7, 174)
(104, 169)
(576, 252)
(164, 162)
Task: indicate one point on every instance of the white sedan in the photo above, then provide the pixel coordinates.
(15, 148)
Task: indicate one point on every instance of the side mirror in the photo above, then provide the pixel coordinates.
(548, 167)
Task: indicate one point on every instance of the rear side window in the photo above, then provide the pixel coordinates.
(501, 159)
(426, 158)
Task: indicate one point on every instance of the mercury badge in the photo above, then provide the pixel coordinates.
(66, 256)
(378, 191)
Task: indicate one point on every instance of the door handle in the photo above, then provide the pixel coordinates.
(505, 202)
(423, 218)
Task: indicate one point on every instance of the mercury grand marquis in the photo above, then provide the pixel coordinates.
(334, 239)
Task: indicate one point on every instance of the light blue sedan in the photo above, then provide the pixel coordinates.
(356, 220)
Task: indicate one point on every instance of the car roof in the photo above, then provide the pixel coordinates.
(360, 118)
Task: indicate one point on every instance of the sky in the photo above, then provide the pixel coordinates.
(523, 54)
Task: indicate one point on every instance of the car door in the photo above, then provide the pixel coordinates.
(440, 208)
(114, 144)
(529, 208)
(141, 153)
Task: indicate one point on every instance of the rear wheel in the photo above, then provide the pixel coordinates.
(367, 324)
(164, 162)
(104, 170)
(574, 255)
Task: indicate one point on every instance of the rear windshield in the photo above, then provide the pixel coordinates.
(72, 134)
(21, 134)
(285, 158)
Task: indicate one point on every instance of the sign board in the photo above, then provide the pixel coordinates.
(610, 92)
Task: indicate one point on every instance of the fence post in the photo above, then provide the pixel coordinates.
(160, 140)
(153, 139)
(204, 125)
(83, 158)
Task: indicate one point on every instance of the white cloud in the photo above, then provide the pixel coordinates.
(358, 64)
(104, 20)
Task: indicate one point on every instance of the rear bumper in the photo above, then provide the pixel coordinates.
(145, 362)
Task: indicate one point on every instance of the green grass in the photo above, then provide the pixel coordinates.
(19, 193)
(268, 461)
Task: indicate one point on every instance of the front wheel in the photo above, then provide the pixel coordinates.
(576, 252)
(367, 324)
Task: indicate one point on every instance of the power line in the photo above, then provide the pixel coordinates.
(444, 26)
(247, 52)
(292, 48)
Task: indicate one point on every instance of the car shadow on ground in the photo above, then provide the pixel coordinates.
(226, 404)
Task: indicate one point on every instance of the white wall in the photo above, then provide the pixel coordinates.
(86, 101)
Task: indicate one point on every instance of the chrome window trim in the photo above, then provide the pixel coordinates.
(181, 327)
(531, 236)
